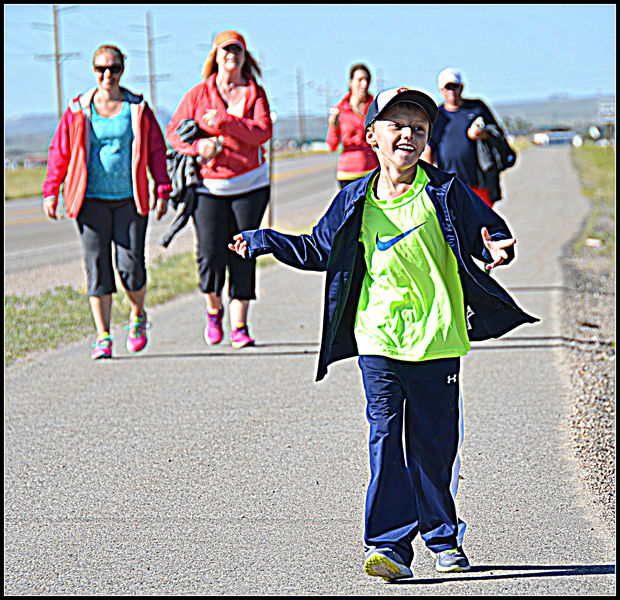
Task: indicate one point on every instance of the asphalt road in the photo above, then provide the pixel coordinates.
(195, 470)
(33, 241)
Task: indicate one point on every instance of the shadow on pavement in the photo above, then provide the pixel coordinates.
(540, 288)
(549, 341)
(256, 351)
(512, 343)
(542, 571)
(550, 288)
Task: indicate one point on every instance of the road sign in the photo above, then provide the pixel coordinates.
(607, 112)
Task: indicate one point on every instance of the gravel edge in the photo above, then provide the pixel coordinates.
(588, 322)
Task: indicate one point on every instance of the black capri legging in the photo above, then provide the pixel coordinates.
(217, 219)
(101, 222)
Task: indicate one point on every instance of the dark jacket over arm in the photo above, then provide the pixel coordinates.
(334, 247)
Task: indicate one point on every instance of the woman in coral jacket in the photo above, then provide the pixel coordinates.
(232, 114)
(104, 143)
(346, 125)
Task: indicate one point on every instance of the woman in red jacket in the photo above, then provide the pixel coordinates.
(346, 125)
(104, 144)
(232, 114)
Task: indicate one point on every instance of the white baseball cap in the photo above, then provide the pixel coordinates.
(449, 75)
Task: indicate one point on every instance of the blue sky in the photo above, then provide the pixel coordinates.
(506, 52)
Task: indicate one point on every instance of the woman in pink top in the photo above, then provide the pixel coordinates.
(346, 125)
(232, 114)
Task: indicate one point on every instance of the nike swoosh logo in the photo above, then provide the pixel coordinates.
(386, 245)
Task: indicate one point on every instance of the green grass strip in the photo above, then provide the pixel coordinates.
(23, 183)
(596, 166)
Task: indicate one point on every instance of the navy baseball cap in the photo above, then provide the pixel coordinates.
(387, 98)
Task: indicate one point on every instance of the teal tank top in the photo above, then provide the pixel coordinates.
(109, 157)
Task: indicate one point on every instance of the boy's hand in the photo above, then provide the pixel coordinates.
(496, 249)
(240, 246)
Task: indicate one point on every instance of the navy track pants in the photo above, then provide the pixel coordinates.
(414, 412)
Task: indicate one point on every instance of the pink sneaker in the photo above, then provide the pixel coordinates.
(240, 337)
(102, 347)
(136, 339)
(213, 330)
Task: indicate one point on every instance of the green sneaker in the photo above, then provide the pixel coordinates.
(453, 560)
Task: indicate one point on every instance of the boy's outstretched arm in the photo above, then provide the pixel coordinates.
(308, 252)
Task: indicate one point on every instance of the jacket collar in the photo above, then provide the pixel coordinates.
(86, 98)
(345, 102)
(252, 93)
(356, 191)
(436, 177)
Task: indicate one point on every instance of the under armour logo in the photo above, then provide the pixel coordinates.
(451, 378)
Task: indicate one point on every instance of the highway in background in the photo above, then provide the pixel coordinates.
(302, 189)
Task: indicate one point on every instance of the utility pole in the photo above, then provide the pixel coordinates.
(300, 106)
(379, 81)
(57, 56)
(328, 103)
(270, 152)
(149, 44)
(328, 94)
(270, 205)
(152, 77)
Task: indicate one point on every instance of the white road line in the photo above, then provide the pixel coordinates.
(40, 249)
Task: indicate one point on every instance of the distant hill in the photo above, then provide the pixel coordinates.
(557, 111)
(31, 134)
(554, 112)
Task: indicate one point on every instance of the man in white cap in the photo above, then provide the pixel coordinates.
(460, 124)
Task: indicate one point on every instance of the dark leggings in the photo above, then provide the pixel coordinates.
(217, 219)
(101, 222)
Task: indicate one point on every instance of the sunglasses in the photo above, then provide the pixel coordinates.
(452, 86)
(114, 69)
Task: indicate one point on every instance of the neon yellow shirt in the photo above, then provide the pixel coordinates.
(411, 303)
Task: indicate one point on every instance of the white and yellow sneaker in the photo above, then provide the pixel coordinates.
(387, 564)
(453, 560)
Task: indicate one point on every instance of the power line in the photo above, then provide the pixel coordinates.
(57, 56)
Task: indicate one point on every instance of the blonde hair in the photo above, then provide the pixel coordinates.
(250, 68)
(112, 50)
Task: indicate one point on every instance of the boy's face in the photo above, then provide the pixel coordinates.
(399, 135)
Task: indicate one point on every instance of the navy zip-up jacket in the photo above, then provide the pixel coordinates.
(334, 247)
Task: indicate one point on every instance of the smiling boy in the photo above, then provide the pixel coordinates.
(405, 295)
